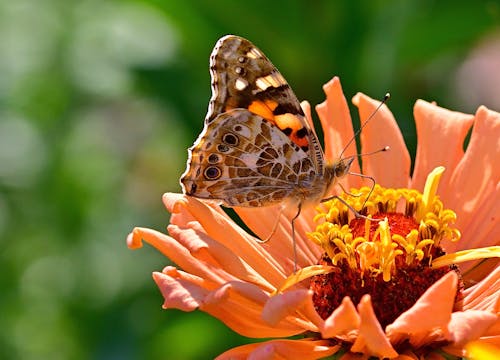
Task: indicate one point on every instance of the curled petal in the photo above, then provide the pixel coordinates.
(237, 304)
(192, 213)
(381, 131)
(371, 339)
(297, 305)
(469, 325)
(180, 293)
(416, 324)
(306, 349)
(343, 322)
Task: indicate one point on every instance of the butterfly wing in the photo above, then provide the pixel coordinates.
(242, 159)
(256, 147)
(243, 77)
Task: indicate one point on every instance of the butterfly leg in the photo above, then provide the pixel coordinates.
(275, 227)
(354, 211)
(348, 192)
(299, 208)
(371, 188)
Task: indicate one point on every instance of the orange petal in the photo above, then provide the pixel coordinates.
(416, 325)
(479, 271)
(295, 304)
(215, 261)
(237, 304)
(391, 168)
(180, 293)
(441, 134)
(337, 127)
(470, 325)
(485, 295)
(218, 226)
(171, 248)
(351, 356)
(305, 349)
(476, 179)
(371, 339)
(343, 321)
(262, 221)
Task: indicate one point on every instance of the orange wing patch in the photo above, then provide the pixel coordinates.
(292, 125)
(264, 108)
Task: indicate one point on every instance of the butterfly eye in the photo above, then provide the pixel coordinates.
(230, 139)
(212, 173)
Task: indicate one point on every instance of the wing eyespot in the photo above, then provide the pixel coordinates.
(213, 159)
(212, 173)
(230, 139)
(222, 148)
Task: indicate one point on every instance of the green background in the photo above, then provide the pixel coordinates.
(99, 101)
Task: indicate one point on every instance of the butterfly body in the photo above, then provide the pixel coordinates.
(256, 147)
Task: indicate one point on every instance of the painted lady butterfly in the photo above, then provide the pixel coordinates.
(256, 148)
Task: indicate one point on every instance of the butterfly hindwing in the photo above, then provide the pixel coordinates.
(240, 159)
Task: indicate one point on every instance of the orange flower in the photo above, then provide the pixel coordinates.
(228, 274)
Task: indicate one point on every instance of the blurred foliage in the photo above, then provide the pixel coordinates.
(99, 101)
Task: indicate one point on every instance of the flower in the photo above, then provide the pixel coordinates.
(224, 271)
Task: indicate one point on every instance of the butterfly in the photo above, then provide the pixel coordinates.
(256, 148)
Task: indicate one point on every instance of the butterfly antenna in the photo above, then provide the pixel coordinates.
(384, 100)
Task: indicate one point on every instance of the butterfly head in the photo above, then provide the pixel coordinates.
(338, 169)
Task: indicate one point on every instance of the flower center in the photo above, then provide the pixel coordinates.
(389, 258)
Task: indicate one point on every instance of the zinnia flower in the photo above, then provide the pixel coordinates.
(387, 288)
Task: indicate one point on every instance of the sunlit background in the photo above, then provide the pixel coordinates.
(99, 101)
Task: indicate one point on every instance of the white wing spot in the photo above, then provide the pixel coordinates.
(254, 54)
(240, 84)
(274, 79)
(262, 83)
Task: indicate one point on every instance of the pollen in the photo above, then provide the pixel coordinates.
(387, 253)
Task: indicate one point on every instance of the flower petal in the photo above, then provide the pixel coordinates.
(262, 221)
(297, 305)
(416, 324)
(391, 168)
(218, 226)
(475, 180)
(343, 322)
(179, 293)
(485, 295)
(174, 250)
(441, 134)
(469, 325)
(306, 349)
(371, 339)
(337, 127)
(236, 304)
